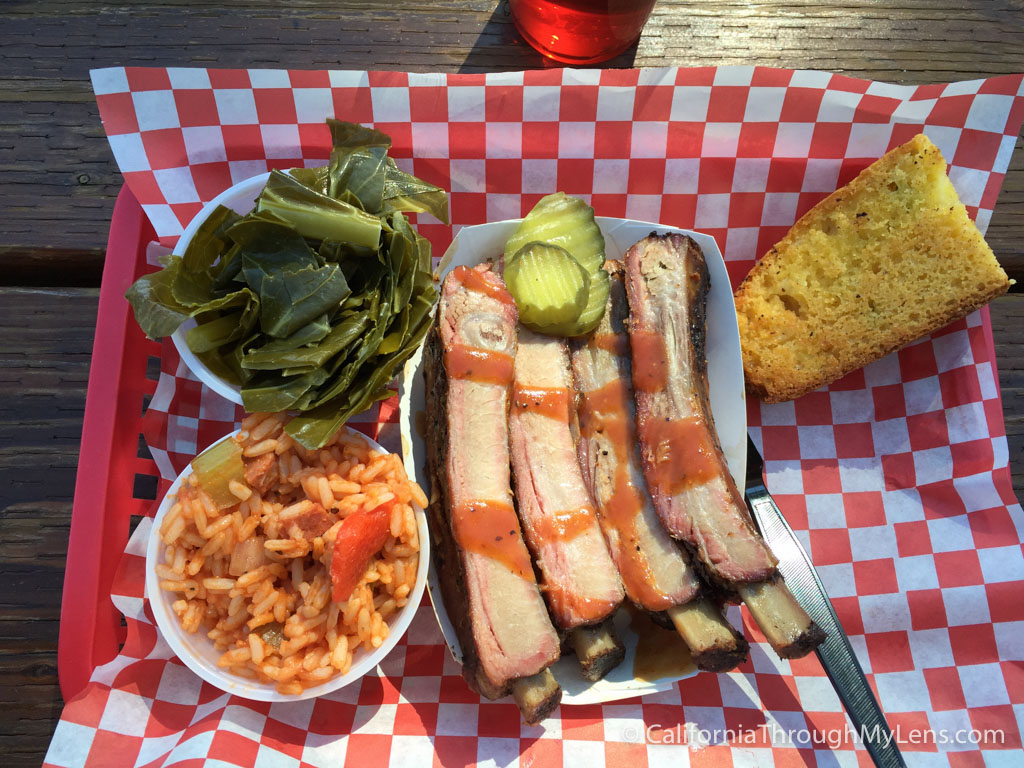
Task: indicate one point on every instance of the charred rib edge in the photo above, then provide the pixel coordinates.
(536, 695)
(785, 624)
(714, 644)
(598, 649)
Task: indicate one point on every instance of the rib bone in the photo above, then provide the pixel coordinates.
(693, 491)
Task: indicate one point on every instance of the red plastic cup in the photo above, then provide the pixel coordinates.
(580, 31)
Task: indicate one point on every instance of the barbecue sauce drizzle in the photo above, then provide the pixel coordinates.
(605, 411)
(491, 529)
(486, 527)
(475, 280)
(553, 403)
(660, 652)
(485, 366)
(682, 452)
(616, 343)
(650, 361)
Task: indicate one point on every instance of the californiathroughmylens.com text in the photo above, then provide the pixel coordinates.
(774, 734)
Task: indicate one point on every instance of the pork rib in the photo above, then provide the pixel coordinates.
(693, 491)
(578, 576)
(656, 573)
(487, 580)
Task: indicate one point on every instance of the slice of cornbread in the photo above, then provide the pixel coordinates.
(888, 258)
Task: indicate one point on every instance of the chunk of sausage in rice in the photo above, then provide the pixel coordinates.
(308, 522)
(261, 471)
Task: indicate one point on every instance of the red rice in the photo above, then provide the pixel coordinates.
(319, 638)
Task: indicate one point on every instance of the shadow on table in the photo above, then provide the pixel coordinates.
(499, 47)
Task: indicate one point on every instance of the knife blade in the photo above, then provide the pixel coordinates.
(836, 654)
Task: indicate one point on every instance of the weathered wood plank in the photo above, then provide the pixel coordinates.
(61, 180)
(45, 349)
(1008, 332)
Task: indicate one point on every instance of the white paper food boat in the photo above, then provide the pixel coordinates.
(477, 244)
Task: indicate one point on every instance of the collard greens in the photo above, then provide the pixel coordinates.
(313, 299)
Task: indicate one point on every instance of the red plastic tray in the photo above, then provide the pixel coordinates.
(91, 630)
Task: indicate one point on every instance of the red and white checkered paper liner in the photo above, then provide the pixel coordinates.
(895, 478)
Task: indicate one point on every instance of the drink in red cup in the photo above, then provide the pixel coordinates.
(580, 31)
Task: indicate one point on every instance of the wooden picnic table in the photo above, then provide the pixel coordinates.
(60, 182)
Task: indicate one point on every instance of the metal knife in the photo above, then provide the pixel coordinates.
(835, 653)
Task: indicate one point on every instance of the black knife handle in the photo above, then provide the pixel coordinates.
(835, 653)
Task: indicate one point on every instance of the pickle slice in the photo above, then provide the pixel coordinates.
(597, 298)
(590, 317)
(567, 222)
(549, 286)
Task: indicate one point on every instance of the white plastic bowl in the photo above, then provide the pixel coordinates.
(197, 650)
(240, 198)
